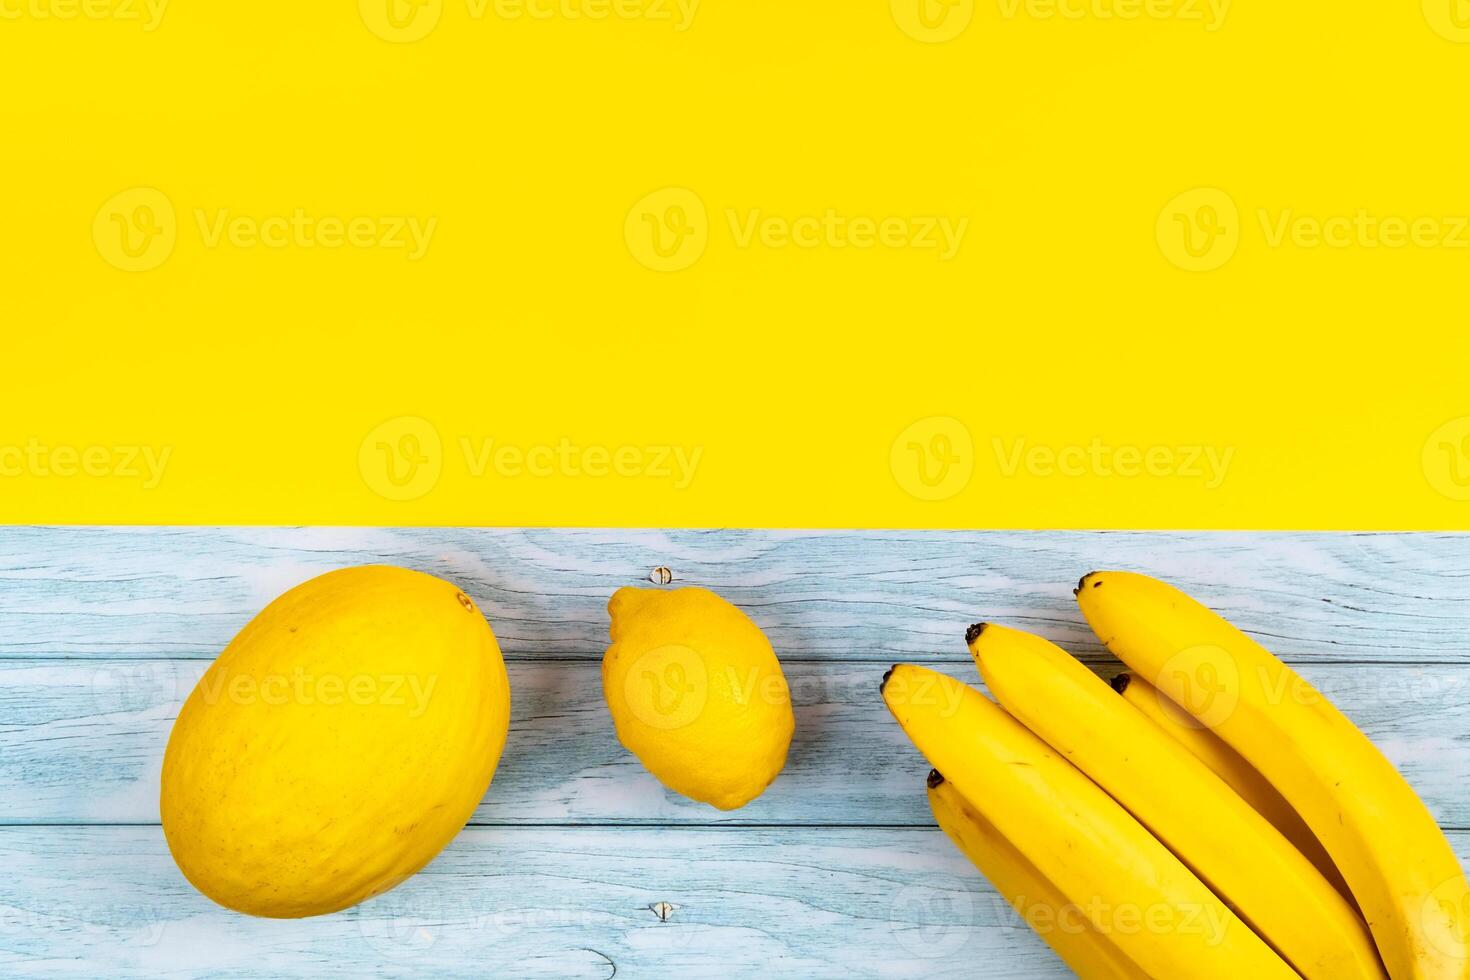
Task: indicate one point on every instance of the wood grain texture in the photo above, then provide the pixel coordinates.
(183, 592)
(523, 902)
(836, 871)
(83, 742)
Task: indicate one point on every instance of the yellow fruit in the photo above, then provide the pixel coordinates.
(1133, 890)
(1226, 763)
(336, 745)
(697, 694)
(1201, 819)
(1062, 925)
(1380, 835)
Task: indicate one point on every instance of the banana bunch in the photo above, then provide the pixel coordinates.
(1220, 819)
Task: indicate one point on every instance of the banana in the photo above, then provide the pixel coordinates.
(1231, 847)
(1238, 774)
(1131, 888)
(1090, 955)
(1398, 863)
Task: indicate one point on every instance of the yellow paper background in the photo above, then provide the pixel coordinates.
(1071, 364)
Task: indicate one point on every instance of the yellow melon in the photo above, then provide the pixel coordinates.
(337, 744)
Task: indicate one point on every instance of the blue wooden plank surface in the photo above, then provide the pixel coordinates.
(82, 742)
(836, 871)
(183, 592)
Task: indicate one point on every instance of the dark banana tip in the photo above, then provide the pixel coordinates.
(936, 779)
(973, 633)
(1120, 682)
(886, 674)
(1082, 583)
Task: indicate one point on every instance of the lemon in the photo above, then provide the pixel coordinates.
(697, 694)
(336, 745)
